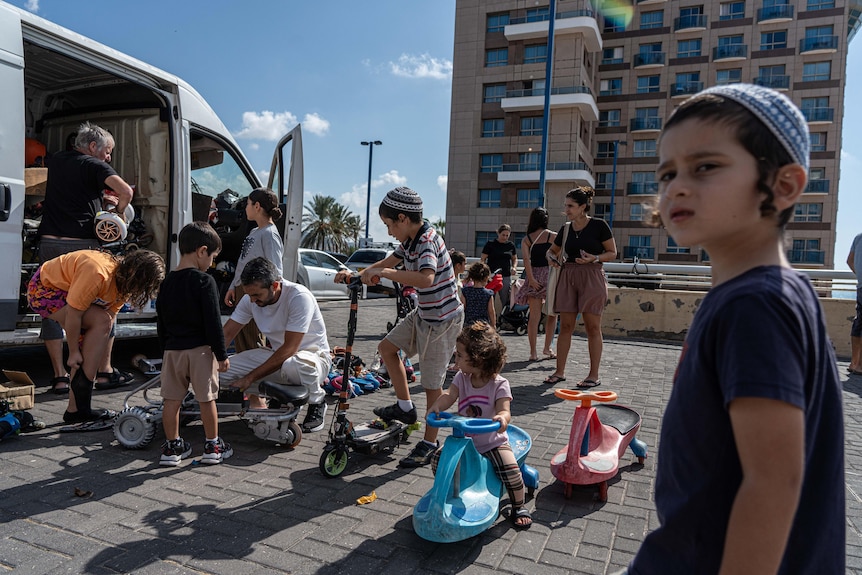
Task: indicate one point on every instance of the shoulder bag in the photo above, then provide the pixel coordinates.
(554, 274)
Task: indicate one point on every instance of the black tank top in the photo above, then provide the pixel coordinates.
(538, 251)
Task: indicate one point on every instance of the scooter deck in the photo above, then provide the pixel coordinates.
(370, 437)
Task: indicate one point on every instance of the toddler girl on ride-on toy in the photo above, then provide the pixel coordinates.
(480, 392)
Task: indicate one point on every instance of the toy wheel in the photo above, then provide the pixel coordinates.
(521, 330)
(334, 460)
(541, 327)
(295, 430)
(603, 491)
(641, 460)
(110, 227)
(134, 429)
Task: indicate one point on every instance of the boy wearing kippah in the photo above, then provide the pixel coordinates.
(431, 329)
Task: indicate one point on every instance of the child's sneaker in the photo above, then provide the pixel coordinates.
(216, 451)
(421, 455)
(175, 451)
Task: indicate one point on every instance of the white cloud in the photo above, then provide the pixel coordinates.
(391, 179)
(443, 182)
(32, 5)
(848, 158)
(424, 66)
(315, 124)
(265, 125)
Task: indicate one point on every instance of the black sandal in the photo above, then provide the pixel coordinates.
(55, 381)
(521, 513)
(115, 379)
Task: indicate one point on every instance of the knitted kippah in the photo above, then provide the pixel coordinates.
(776, 111)
(403, 199)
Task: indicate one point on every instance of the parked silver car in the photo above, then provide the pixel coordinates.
(364, 257)
(316, 270)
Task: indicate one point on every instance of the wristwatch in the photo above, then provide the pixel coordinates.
(597, 259)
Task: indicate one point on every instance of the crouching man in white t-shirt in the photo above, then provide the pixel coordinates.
(288, 315)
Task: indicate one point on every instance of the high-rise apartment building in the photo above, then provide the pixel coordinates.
(618, 71)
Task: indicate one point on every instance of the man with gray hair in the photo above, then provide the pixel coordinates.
(288, 315)
(77, 179)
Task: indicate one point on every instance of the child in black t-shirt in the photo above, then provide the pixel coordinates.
(191, 336)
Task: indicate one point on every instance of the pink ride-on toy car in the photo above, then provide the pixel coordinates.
(599, 437)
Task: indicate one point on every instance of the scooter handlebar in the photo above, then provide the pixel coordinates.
(472, 425)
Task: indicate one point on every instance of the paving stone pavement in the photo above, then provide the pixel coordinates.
(270, 510)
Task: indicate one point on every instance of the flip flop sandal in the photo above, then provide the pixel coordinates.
(55, 381)
(115, 379)
(521, 513)
(551, 355)
(589, 382)
(553, 379)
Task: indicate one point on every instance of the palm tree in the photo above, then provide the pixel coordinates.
(328, 225)
(440, 227)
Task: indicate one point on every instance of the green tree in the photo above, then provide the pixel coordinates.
(328, 225)
(440, 227)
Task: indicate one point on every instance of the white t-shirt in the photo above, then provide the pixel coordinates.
(296, 310)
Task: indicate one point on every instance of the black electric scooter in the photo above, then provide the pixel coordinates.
(366, 438)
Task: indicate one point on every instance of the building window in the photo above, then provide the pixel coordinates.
(614, 23)
(636, 212)
(639, 247)
(603, 179)
(773, 40)
(529, 198)
(489, 198)
(806, 251)
(496, 57)
(601, 211)
(493, 128)
(820, 4)
(817, 182)
(690, 11)
(483, 238)
(731, 10)
(609, 118)
(539, 14)
(816, 71)
(648, 84)
(611, 87)
(612, 55)
(535, 53)
(816, 103)
(532, 126)
(816, 174)
(689, 48)
(643, 183)
(493, 93)
(732, 76)
(529, 161)
(642, 149)
(818, 141)
(673, 248)
(490, 163)
(652, 19)
(497, 22)
(687, 78)
(605, 150)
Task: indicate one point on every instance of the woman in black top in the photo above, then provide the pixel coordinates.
(582, 287)
(534, 247)
(501, 254)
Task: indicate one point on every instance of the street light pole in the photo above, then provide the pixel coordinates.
(617, 144)
(370, 144)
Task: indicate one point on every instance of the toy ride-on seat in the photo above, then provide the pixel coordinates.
(598, 438)
(296, 395)
(465, 498)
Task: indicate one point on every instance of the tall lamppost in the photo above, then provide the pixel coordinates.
(370, 144)
(617, 144)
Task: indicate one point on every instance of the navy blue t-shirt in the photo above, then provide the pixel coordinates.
(761, 334)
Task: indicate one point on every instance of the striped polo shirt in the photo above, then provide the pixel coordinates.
(439, 301)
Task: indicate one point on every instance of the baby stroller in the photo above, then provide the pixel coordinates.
(515, 316)
(405, 302)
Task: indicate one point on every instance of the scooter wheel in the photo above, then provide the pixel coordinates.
(521, 330)
(334, 460)
(296, 430)
(134, 429)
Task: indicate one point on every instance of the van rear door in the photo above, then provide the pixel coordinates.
(286, 180)
(11, 163)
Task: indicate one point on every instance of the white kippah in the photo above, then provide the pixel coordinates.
(403, 199)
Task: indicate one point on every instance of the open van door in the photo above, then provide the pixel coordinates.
(291, 189)
(11, 161)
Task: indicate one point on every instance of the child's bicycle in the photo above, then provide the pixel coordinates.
(135, 427)
(366, 438)
(598, 438)
(465, 499)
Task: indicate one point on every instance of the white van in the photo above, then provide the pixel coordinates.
(170, 146)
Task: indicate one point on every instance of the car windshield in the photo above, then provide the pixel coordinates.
(366, 257)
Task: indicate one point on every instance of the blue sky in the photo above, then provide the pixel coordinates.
(349, 72)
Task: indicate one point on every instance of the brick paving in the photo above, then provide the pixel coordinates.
(269, 510)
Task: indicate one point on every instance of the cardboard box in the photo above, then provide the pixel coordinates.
(20, 390)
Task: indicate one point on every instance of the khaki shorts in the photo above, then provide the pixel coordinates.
(433, 342)
(197, 366)
(582, 289)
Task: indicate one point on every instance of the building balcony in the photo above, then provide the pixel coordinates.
(819, 45)
(645, 124)
(781, 83)
(642, 188)
(647, 2)
(774, 14)
(577, 172)
(580, 97)
(581, 22)
(819, 115)
(692, 23)
(806, 256)
(685, 89)
(729, 53)
(648, 60)
(641, 253)
(817, 187)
